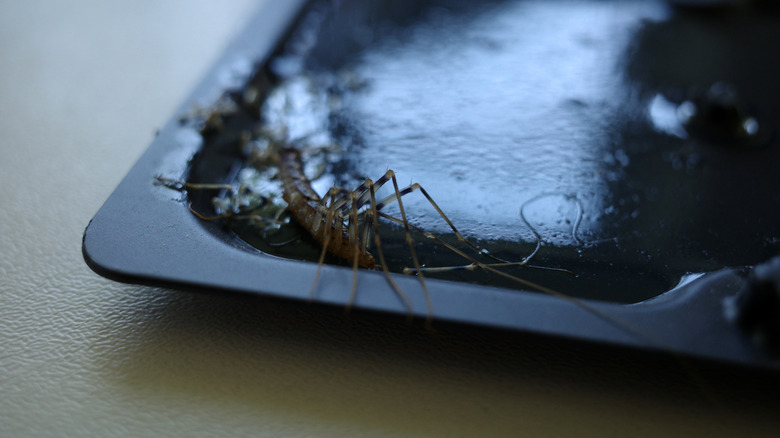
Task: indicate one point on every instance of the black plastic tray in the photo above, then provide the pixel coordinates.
(145, 233)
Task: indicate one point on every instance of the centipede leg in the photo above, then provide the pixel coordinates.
(180, 185)
(366, 193)
(500, 262)
(326, 240)
(417, 187)
(378, 243)
(415, 260)
(353, 241)
(396, 197)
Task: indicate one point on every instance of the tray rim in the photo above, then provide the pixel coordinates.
(144, 234)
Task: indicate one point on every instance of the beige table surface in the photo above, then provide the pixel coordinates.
(83, 87)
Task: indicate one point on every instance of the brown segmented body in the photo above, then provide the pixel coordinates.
(305, 203)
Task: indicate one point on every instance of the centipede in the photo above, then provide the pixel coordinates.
(346, 223)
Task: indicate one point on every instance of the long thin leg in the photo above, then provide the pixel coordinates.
(352, 232)
(381, 254)
(469, 267)
(626, 325)
(231, 215)
(477, 264)
(364, 194)
(180, 185)
(472, 266)
(415, 187)
(325, 243)
(410, 242)
(397, 197)
(227, 215)
(501, 263)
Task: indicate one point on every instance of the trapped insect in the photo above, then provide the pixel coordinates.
(346, 223)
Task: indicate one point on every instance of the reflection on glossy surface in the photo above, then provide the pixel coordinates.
(492, 109)
(667, 117)
(514, 106)
(579, 116)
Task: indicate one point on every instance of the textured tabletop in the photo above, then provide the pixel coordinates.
(83, 87)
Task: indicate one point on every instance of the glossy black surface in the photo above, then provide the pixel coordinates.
(550, 107)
